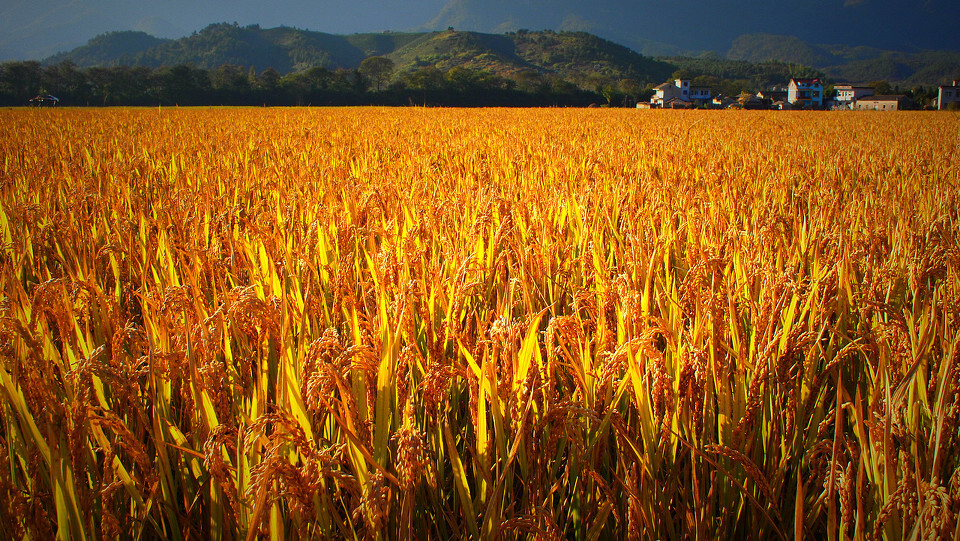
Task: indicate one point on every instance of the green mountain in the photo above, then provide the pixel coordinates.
(568, 54)
(850, 64)
(289, 50)
(110, 49)
(711, 26)
(754, 60)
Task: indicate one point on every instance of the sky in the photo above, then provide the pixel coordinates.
(55, 25)
(37, 30)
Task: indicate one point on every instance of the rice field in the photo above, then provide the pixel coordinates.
(490, 324)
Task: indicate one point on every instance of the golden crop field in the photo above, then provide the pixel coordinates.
(495, 324)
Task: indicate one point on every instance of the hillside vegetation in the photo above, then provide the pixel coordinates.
(756, 58)
(850, 64)
(291, 50)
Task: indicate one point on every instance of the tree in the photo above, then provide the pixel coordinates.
(269, 80)
(881, 88)
(428, 79)
(530, 81)
(377, 68)
(231, 83)
(21, 80)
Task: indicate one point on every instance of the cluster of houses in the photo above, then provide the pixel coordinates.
(800, 94)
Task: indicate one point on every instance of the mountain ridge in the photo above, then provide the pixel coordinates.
(844, 63)
(289, 49)
(35, 31)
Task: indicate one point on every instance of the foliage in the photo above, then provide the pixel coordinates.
(234, 85)
(735, 76)
(846, 64)
(492, 323)
(565, 54)
(377, 68)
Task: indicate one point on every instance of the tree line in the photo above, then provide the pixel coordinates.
(372, 83)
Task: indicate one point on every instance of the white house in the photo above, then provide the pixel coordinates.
(681, 90)
(847, 95)
(805, 92)
(948, 94)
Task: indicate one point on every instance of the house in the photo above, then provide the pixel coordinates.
(882, 103)
(679, 89)
(663, 93)
(772, 96)
(847, 95)
(948, 94)
(723, 102)
(677, 103)
(805, 92)
(768, 98)
(781, 105)
(747, 100)
(700, 94)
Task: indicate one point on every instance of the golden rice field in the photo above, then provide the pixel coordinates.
(487, 324)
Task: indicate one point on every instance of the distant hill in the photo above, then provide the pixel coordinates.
(110, 49)
(711, 26)
(289, 50)
(756, 59)
(850, 64)
(564, 53)
(31, 31)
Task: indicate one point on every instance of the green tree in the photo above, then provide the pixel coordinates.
(881, 88)
(269, 80)
(379, 69)
(429, 78)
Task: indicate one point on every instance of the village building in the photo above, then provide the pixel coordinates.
(679, 89)
(948, 94)
(768, 98)
(723, 102)
(882, 103)
(747, 100)
(805, 93)
(847, 95)
(677, 103)
(772, 95)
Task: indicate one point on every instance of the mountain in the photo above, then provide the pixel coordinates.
(569, 54)
(696, 25)
(565, 53)
(850, 64)
(623, 22)
(110, 49)
(760, 59)
(30, 30)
